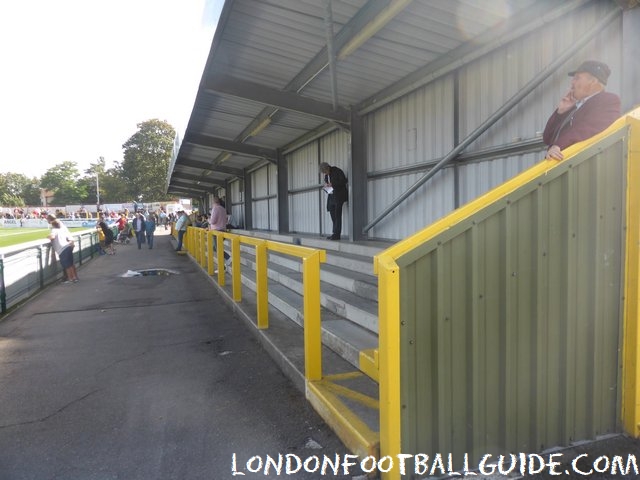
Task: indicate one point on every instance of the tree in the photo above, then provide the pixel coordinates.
(113, 188)
(19, 190)
(146, 160)
(31, 193)
(62, 180)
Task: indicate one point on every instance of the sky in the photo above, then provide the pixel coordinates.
(78, 76)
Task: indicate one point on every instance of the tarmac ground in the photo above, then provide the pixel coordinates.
(146, 377)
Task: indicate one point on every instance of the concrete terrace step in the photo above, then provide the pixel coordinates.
(364, 249)
(343, 336)
(347, 293)
(353, 273)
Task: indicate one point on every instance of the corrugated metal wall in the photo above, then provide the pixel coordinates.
(511, 319)
(307, 203)
(264, 198)
(304, 194)
(236, 197)
(421, 126)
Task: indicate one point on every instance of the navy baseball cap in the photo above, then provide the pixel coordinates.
(598, 69)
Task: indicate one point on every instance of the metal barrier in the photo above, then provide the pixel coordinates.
(25, 270)
(329, 394)
(200, 244)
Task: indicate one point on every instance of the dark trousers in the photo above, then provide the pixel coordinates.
(215, 248)
(335, 210)
(180, 237)
(140, 238)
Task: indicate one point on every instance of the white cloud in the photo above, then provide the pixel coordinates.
(79, 75)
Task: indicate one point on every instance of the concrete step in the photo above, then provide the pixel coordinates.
(354, 274)
(366, 249)
(343, 336)
(361, 310)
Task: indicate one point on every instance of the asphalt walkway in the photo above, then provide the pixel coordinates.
(146, 377)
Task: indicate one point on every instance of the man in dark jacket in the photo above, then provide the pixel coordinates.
(335, 184)
(584, 111)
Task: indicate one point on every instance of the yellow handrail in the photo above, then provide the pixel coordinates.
(200, 246)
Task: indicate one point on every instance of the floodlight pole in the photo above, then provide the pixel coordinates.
(97, 190)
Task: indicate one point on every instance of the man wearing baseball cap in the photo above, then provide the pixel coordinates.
(584, 111)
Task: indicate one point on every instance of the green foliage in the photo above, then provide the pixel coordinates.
(113, 189)
(62, 179)
(146, 160)
(19, 190)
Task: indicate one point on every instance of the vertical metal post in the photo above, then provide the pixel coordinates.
(631, 316)
(236, 280)
(312, 325)
(3, 291)
(40, 267)
(262, 288)
(79, 249)
(389, 359)
(220, 257)
(210, 252)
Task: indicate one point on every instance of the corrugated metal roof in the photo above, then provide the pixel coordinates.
(267, 82)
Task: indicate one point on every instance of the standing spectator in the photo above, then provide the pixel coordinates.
(150, 227)
(121, 223)
(181, 227)
(108, 236)
(63, 244)
(585, 110)
(163, 219)
(218, 221)
(335, 185)
(101, 249)
(139, 229)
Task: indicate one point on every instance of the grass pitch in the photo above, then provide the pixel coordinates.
(16, 236)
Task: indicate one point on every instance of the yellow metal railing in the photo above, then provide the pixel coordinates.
(327, 393)
(200, 245)
(631, 326)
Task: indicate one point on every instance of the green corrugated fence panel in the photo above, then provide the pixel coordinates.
(511, 319)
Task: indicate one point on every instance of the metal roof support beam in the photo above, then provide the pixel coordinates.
(230, 146)
(195, 178)
(194, 187)
(182, 192)
(283, 195)
(236, 87)
(512, 102)
(331, 53)
(346, 34)
(310, 136)
(358, 179)
(209, 167)
(248, 202)
(540, 14)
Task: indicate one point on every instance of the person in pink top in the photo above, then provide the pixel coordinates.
(218, 221)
